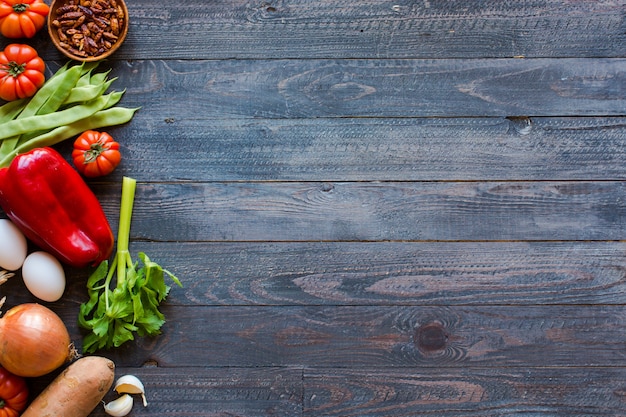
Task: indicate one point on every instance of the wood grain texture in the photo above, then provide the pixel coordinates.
(470, 391)
(374, 211)
(383, 337)
(373, 29)
(390, 273)
(476, 392)
(379, 273)
(387, 273)
(376, 208)
(234, 89)
(363, 149)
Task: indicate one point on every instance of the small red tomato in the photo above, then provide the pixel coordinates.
(21, 72)
(13, 394)
(96, 154)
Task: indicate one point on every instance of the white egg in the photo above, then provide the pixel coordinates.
(13, 246)
(44, 276)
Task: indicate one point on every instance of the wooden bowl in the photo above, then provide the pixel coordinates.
(88, 33)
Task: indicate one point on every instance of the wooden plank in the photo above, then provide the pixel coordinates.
(385, 274)
(378, 336)
(363, 149)
(478, 392)
(226, 89)
(289, 392)
(371, 29)
(210, 392)
(390, 273)
(414, 211)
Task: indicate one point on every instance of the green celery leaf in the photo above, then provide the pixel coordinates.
(99, 326)
(150, 325)
(123, 333)
(91, 343)
(120, 304)
(94, 280)
(138, 308)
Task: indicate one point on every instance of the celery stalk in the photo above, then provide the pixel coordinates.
(113, 316)
(123, 234)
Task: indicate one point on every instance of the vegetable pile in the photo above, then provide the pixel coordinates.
(51, 207)
(73, 100)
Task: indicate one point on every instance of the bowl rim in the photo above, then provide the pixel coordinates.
(54, 36)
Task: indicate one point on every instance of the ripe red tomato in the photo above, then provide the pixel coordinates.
(22, 18)
(21, 72)
(13, 394)
(96, 153)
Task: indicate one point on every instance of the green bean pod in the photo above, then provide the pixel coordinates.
(108, 117)
(99, 77)
(71, 101)
(81, 94)
(63, 117)
(56, 84)
(12, 109)
(113, 99)
(77, 95)
(87, 69)
(47, 100)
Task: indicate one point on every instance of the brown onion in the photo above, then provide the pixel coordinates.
(33, 340)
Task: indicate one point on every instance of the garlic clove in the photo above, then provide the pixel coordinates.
(130, 384)
(120, 407)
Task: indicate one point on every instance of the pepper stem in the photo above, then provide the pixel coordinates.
(123, 234)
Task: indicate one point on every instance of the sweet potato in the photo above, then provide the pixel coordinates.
(76, 391)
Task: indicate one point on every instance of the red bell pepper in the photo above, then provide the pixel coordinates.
(53, 206)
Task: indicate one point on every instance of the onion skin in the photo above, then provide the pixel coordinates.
(33, 340)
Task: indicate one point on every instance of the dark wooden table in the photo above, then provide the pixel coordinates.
(376, 208)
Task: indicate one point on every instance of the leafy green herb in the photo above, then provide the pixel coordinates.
(114, 315)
